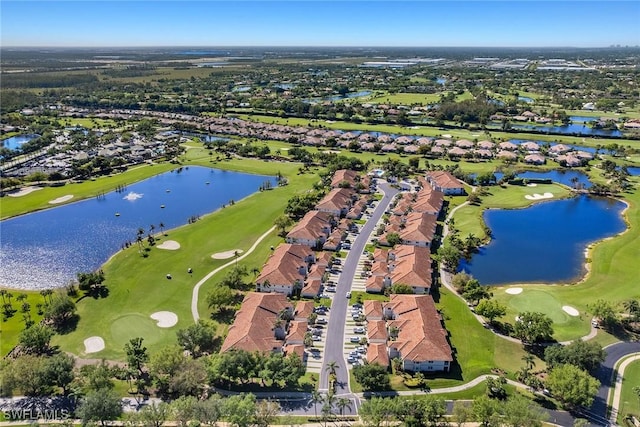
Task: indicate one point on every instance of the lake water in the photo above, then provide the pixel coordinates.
(15, 142)
(441, 80)
(560, 176)
(46, 249)
(571, 129)
(544, 243)
(526, 99)
(634, 171)
(334, 98)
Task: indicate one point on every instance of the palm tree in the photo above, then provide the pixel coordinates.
(151, 229)
(332, 367)
(632, 306)
(529, 360)
(161, 226)
(343, 403)
(316, 398)
(3, 293)
(236, 254)
(327, 407)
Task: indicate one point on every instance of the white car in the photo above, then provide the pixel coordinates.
(358, 330)
(354, 339)
(349, 294)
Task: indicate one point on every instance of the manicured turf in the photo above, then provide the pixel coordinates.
(11, 328)
(629, 400)
(138, 286)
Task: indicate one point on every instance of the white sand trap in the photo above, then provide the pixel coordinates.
(24, 191)
(446, 135)
(537, 196)
(170, 245)
(226, 255)
(514, 291)
(61, 199)
(165, 319)
(570, 310)
(93, 345)
(532, 184)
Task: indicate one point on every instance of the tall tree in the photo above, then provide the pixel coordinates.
(137, 354)
(532, 327)
(100, 405)
(36, 339)
(572, 386)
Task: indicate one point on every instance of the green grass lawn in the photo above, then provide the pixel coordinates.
(11, 327)
(629, 400)
(406, 98)
(138, 286)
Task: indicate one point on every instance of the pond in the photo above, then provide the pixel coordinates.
(633, 171)
(334, 98)
(46, 249)
(544, 243)
(565, 177)
(570, 129)
(15, 142)
(526, 99)
(441, 80)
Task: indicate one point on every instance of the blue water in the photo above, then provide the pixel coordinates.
(571, 129)
(15, 142)
(47, 248)
(560, 176)
(634, 171)
(526, 99)
(544, 243)
(206, 138)
(241, 89)
(340, 97)
(441, 80)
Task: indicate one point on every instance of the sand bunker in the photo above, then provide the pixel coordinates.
(24, 191)
(170, 245)
(570, 310)
(61, 199)
(532, 184)
(165, 319)
(227, 254)
(537, 196)
(514, 291)
(93, 345)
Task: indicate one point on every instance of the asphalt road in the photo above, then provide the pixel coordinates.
(333, 350)
(598, 411)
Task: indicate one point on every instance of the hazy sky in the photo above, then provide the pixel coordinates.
(320, 23)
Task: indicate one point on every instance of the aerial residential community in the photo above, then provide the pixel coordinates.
(313, 213)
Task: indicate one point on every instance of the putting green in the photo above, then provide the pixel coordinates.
(135, 325)
(540, 301)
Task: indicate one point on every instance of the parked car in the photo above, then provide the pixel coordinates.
(346, 246)
(352, 360)
(354, 339)
(358, 330)
(361, 349)
(330, 289)
(316, 338)
(321, 321)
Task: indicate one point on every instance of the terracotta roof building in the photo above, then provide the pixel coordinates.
(257, 326)
(445, 182)
(421, 341)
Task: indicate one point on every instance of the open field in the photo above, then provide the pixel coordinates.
(15, 324)
(406, 98)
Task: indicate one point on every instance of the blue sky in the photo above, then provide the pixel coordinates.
(517, 23)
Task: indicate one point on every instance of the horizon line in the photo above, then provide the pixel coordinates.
(617, 45)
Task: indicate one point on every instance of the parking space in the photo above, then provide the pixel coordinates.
(355, 332)
(315, 353)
